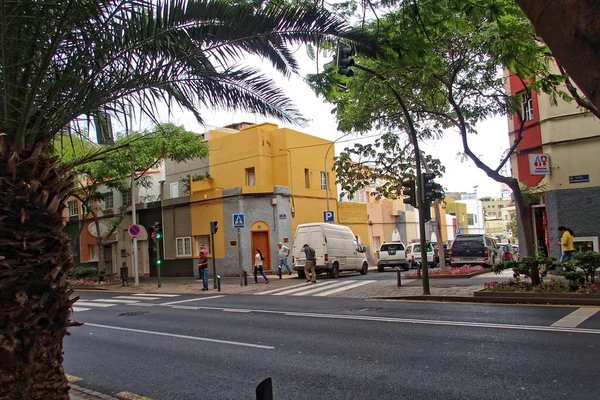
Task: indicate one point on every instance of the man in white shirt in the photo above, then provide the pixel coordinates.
(284, 253)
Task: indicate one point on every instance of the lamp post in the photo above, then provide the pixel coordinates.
(326, 176)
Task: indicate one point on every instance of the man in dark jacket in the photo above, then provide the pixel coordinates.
(311, 262)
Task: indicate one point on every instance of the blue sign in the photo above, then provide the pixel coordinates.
(579, 178)
(458, 231)
(282, 216)
(238, 220)
(328, 216)
(134, 230)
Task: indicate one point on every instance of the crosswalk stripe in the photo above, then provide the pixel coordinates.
(77, 309)
(116, 301)
(284, 288)
(156, 295)
(93, 304)
(301, 289)
(191, 300)
(320, 288)
(357, 284)
(136, 298)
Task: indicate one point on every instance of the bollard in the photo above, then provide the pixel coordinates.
(399, 273)
(218, 283)
(419, 271)
(245, 278)
(264, 391)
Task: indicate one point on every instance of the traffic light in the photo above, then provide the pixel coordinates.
(214, 227)
(158, 261)
(343, 60)
(426, 211)
(157, 234)
(433, 190)
(410, 190)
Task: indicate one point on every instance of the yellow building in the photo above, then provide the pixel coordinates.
(459, 210)
(277, 178)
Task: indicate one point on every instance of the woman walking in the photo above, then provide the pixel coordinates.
(258, 266)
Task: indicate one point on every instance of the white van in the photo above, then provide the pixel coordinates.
(335, 246)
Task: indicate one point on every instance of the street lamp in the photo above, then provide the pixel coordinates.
(326, 175)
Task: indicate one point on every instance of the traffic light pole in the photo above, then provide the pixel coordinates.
(214, 262)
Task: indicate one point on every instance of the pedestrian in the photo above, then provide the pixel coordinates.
(284, 253)
(566, 244)
(258, 266)
(203, 268)
(310, 264)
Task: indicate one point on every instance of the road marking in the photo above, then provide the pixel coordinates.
(312, 289)
(156, 295)
(90, 304)
(283, 288)
(357, 284)
(79, 309)
(306, 287)
(116, 301)
(136, 298)
(131, 396)
(186, 307)
(576, 318)
(174, 335)
(73, 379)
(190, 300)
(237, 310)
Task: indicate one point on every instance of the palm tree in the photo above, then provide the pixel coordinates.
(63, 59)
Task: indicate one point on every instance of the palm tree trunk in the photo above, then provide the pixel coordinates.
(36, 258)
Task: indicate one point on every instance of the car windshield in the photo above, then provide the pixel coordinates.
(392, 247)
(468, 242)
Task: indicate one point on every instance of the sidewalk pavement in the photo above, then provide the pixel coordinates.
(80, 393)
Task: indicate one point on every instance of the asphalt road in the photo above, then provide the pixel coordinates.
(331, 348)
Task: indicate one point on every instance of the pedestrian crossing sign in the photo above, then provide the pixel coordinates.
(238, 220)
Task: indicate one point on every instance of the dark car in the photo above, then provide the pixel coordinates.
(473, 249)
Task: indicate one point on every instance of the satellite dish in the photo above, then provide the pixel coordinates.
(104, 229)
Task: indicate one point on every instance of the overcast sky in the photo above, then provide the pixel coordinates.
(460, 175)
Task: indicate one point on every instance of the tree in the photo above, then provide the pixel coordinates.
(137, 152)
(570, 29)
(62, 60)
(445, 60)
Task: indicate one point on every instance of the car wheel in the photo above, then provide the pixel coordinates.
(364, 269)
(335, 271)
(301, 275)
(379, 268)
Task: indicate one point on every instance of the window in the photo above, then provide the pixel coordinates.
(109, 201)
(526, 106)
(126, 197)
(250, 177)
(471, 219)
(184, 246)
(93, 252)
(203, 241)
(306, 179)
(73, 211)
(174, 190)
(323, 181)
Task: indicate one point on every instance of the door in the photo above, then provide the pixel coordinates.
(108, 258)
(316, 240)
(260, 240)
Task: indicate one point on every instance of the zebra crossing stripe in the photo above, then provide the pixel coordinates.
(79, 309)
(93, 304)
(278, 289)
(156, 295)
(357, 284)
(318, 289)
(301, 289)
(136, 298)
(116, 301)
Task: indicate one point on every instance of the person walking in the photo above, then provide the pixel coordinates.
(203, 268)
(566, 244)
(284, 253)
(258, 266)
(310, 264)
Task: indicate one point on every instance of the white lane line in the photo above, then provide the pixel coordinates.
(357, 284)
(116, 301)
(577, 317)
(306, 287)
(156, 295)
(142, 305)
(186, 307)
(237, 310)
(190, 300)
(312, 289)
(90, 304)
(136, 298)
(174, 335)
(77, 309)
(304, 284)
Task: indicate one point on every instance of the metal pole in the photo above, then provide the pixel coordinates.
(325, 167)
(240, 257)
(218, 283)
(136, 275)
(214, 262)
(399, 277)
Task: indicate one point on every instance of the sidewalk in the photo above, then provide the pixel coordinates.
(80, 393)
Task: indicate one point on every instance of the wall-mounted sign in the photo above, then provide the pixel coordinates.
(282, 216)
(539, 164)
(579, 178)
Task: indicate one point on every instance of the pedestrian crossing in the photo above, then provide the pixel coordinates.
(321, 289)
(137, 299)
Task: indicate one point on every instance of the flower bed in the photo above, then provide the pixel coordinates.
(466, 271)
(93, 281)
(548, 286)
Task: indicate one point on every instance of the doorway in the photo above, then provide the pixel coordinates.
(261, 240)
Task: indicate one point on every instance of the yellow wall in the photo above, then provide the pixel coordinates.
(459, 210)
(354, 216)
(202, 214)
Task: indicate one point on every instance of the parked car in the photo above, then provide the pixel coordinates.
(446, 253)
(505, 252)
(413, 254)
(335, 246)
(474, 249)
(392, 254)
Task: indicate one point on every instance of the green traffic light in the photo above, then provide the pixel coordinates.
(158, 261)
(159, 235)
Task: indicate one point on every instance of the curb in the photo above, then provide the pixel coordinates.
(467, 276)
(88, 393)
(495, 300)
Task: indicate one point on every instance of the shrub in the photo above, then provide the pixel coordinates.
(523, 266)
(85, 272)
(588, 261)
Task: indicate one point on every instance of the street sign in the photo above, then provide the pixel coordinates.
(134, 230)
(458, 231)
(282, 216)
(328, 216)
(539, 164)
(238, 220)
(579, 178)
